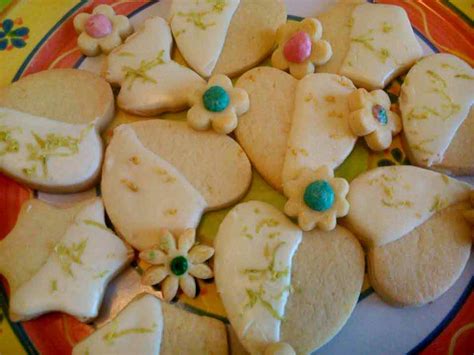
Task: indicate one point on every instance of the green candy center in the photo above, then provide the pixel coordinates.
(179, 265)
(319, 196)
(216, 99)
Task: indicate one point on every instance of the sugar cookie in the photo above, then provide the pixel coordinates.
(436, 104)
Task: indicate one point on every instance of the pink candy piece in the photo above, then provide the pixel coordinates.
(298, 47)
(98, 26)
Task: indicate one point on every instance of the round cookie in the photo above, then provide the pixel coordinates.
(436, 102)
(440, 248)
(263, 130)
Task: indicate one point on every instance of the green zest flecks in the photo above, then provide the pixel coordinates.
(464, 76)
(367, 40)
(70, 254)
(270, 271)
(111, 336)
(142, 71)
(92, 223)
(438, 204)
(269, 222)
(257, 297)
(7, 143)
(54, 286)
(101, 274)
(179, 265)
(197, 19)
(217, 5)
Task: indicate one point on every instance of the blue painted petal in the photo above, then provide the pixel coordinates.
(18, 42)
(7, 25)
(3, 44)
(2, 34)
(20, 32)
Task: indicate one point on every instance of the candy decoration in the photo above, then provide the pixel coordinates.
(216, 99)
(380, 114)
(179, 265)
(98, 26)
(319, 196)
(298, 48)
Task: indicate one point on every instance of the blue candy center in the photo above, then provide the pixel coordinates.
(319, 196)
(380, 114)
(216, 99)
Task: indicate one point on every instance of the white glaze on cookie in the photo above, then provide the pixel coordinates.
(138, 329)
(382, 45)
(151, 82)
(255, 245)
(320, 133)
(77, 271)
(435, 100)
(389, 202)
(200, 28)
(155, 194)
(44, 151)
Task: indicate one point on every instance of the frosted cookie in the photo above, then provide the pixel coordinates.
(70, 259)
(50, 125)
(148, 326)
(151, 82)
(372, 43)
(436, 104)
(276, 291)
(300, 47)
(176, 263)
(293, 125)
(210, 34)
(419, 267)
(163, 174)
(101, 31)
(372, 119)
(402, 198)
(218, 105)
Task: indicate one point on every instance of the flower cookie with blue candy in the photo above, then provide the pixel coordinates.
(218, 105)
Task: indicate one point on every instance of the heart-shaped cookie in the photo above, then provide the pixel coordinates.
(163, 174)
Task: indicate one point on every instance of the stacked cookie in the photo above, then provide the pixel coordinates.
(288, 278)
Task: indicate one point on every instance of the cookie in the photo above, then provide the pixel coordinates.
(254, 23)
(72, 263)
(148, 326)
(419, 267)
(225, 38)
(306, 127)
(436, 103)
(263, 130)
(101, 31)
(51, 123)
(401, 199)
(163, 174)
(268, 289)
(151, 82)
(372, 43)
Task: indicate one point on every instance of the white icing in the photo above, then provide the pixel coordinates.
(320, 133)
(200, 28)
(138, 329)
(145, 44)
(74, 277)
(244, 241)
(382, 44)
(63, 166)
(164, 197)
(436, 98)
(174, 83)
(387, 203)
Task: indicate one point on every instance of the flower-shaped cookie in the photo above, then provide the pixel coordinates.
(469, 214)
(218, 105)
(102, 30)
(177, 266)
(371, 118)
(317, 198)
(300, 47)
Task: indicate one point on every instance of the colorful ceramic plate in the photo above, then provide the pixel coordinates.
(41, 36)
